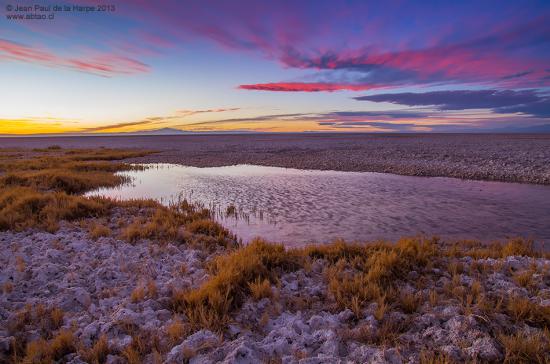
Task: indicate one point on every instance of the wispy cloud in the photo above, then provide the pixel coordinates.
(98, 63)
(118, 125)
(157, 120)
(195, 112)
(287, 117)
(306, 87)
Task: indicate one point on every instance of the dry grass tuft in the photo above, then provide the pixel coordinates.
(209, 305)
(478, 250)
(22, 208)
(142, 291)
(386, 334)
(98, 230)
(260, 289)
(7, 287)
(525, 279)
(43, 319)
(70, 182)
(42, 351)
(138, 294)
(525, 348)
(522, 309)
(381, 308)
(39, 191)
(410, 302)
(431, 357)
(97, 354)
(361, 273)
(152, 289)
(179, 222)
(176, 331)
(20, 264)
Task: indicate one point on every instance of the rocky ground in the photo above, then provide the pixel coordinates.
(501, 157)
(99, 287)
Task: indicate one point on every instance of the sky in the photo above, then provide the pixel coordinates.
(273, 66)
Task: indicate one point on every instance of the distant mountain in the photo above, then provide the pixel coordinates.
(162, 131)
(173, 131)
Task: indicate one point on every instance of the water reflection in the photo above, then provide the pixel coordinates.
(297, 206)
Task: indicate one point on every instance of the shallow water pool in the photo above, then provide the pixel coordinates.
(297, 207)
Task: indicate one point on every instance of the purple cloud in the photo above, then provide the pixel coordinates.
(507, 101)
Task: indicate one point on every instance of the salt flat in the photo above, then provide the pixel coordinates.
(500, 157)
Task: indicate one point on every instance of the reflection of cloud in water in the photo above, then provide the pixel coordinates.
(297, 206)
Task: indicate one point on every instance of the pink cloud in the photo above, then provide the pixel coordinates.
(194, 112)
(103, 64)
(306, 87)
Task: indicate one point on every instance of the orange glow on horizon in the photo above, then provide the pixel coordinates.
(31, 126)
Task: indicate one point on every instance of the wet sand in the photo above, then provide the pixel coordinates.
(500, 157)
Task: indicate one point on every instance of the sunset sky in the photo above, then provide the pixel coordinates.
(207, 66)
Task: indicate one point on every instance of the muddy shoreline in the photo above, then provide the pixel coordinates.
(499, 157)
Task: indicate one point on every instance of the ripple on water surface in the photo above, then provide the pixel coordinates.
(298, 206)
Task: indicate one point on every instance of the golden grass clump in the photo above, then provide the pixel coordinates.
(142, 291)
(7, 287)
(522, 309)
(432, 357)
(362, 273)
(381, 308)
(387, 332)
(44, 319)
(337, 250)
(206, 227)
(97, 354)
(23, 207)
(210, 304)
(138, 294)
(260, 289)
(42, 351)
(525, 348)
(99, 230)
(410, 302)
(176, 331)
(40, 190)
(181, 222)
(71, 182)
(143, 343)
(20, 264)
(81, 160)
(496, 250)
